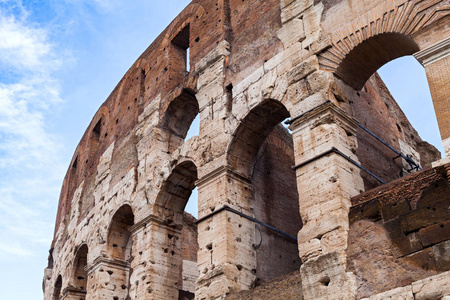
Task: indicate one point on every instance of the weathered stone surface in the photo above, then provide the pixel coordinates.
(120, 229)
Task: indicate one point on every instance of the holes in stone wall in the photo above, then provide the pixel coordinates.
(182, 248)
(325, 281)
(262, 150)
(119, 237)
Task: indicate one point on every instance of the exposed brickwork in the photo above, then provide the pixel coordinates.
(121, 226)
(439, 83)
(285, 287)
(403, 228)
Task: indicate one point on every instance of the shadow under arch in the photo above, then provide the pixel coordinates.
(119, 240)
(57, 288)
(367, 57)
(180, 113)
(177, 189)
(262, 151)
(177, 234)
(80, 277)
(251, 133)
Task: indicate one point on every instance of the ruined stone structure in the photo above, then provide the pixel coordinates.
(121, 231)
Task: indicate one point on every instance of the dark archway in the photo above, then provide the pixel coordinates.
(80, 276)
(119, 236)
(178, 187)
(262, 151)
(365, 59)
(57, 289)
(252, 132)
(179, 114)
(181, 230)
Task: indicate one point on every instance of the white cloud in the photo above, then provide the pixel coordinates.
(22, 46)
(30, 163)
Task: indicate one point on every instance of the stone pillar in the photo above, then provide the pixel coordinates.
(326, 181)
(157, 259)
(436, 60)
(226, 258)
(108, 279)
(71, 293)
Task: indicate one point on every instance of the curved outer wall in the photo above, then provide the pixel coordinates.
(252, 64)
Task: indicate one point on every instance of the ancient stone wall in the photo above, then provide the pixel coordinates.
(121, 231)
(400, 228)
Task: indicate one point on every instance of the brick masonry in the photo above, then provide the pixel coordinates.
(120, 230)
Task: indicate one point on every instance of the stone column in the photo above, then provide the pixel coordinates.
(226, 257)
(326, 181)
(157, 260)
(108, 279)
(436, 60)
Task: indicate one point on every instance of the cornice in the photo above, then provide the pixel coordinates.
(433, 53)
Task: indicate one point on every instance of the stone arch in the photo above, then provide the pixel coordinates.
(377, 37)
(80, 276)
(251, 133)
(365, 59)
(262, 151)
(177, 188)
(57, 288)
(119, 241)
(174, 233)
(179, 114)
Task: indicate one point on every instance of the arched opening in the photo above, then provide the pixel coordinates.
(262, 151)
(379, 115)
(194, 129)
(80, 276)
(360, 64)
(181, 230)
(406, 80)
(180, 114)
(119, 250)
(381, 118)
(57, 289)
(119, 236)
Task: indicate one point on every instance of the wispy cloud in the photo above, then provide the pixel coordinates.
(102, 6)
(29, 155)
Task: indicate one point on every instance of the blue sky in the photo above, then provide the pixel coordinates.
(59, 60)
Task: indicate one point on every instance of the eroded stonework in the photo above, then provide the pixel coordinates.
(271, 201)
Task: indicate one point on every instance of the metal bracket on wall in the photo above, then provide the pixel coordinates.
(227, 208)
(409, 160)
(335, 150)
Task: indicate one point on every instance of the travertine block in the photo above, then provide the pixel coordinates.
(292, 32)
(311, 18)
(402, 293)
(324, 277)
(294, 9)
(307, 67)
(434, 287)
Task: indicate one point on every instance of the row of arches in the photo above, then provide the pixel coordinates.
(247, 154)
(78, 280)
